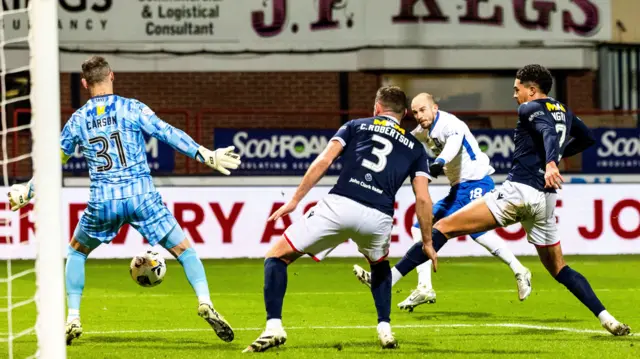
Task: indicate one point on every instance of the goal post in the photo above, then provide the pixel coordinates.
(47, 170)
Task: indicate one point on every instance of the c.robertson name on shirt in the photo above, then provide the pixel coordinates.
(390, 129)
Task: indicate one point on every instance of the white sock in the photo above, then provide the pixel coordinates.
(498, 248)
(205, 300)
(604, 317)
(73, 314)
(274, 324)
(395, 276)
(424, 275)
(384, 327)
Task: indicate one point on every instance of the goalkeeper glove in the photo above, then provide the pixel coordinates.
(20, 195)
(436, 168)
(220, 159)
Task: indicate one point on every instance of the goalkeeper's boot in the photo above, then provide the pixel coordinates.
(216, 321)
(363, 276)
(418, 297)
(271, 337)
(73, 330)
(523, 280)
(616, 328)
(387, 340)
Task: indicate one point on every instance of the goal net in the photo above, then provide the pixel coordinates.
(31, 243)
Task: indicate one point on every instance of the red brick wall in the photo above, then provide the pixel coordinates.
(274, 91)
(65, 91)
(582, 90)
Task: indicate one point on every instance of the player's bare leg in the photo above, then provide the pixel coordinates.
(194, 270)
(75, 278)
(472, 218)
(475, 218)
(552, 259)
(275, 286)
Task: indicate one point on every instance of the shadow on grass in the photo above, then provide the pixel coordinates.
(447, 315)
(422, 347)
(151, 342)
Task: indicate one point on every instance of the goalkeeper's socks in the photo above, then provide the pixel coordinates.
(381, 289)
(415, 255)
(194, 271)
(73, 314)
(275, 285)
(579, 286)
(74, 278)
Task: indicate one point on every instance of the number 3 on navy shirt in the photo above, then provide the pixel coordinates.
(380, 153)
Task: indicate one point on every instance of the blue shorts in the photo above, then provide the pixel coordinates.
(102, 220)
(459, 196)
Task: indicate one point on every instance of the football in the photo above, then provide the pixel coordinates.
(148, 268)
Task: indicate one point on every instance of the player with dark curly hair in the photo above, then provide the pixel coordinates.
(546, 131)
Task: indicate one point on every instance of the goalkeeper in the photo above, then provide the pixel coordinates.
(109, 130)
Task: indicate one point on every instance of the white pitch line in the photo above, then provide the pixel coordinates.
(241, 294)
(405, 326)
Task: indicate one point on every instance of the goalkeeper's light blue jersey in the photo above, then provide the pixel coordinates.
(109, 130)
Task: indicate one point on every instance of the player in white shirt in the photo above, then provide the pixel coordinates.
(468, 170)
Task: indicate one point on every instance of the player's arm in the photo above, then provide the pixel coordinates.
(221, 159)
(317, 169)
(542, 123)
(452, 146)
(424, 206)
(581, 138)
(21, 194)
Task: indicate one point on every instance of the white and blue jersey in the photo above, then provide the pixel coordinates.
(465, 165)
(109, 131)
(377, 158)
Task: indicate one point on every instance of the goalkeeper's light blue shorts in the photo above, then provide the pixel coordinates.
(102, 220)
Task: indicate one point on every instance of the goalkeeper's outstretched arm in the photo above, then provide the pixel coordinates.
(20, 194)
(221, 159)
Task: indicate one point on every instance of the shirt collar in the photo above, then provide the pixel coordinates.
(433, 125)
(391, 118)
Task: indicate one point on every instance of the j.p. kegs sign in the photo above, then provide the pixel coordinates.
(276, 152)
(238, 25)
(617, 150)
(160, 157)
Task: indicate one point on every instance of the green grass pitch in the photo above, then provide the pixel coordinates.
(329, 314)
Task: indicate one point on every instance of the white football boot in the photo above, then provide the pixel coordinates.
(616, 328)
(387, 341)
(418, 297)
(272, 337)
(73, 330)
(523, 280)
(216, 321)
(363, 276)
